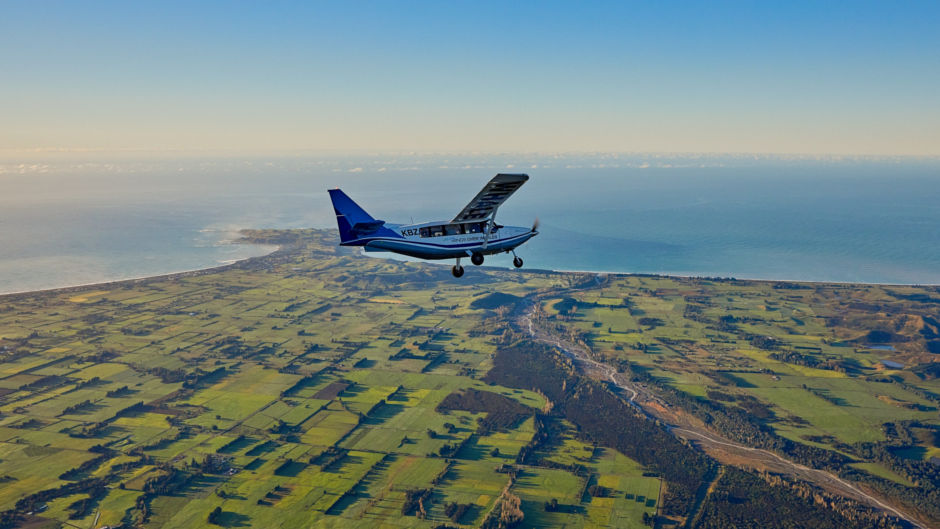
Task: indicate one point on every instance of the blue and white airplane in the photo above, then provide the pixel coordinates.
(472, 233)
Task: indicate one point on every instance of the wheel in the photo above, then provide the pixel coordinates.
(476, 258)
(457, 271)
(517, 262)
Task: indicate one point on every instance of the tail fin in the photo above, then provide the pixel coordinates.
(353, 221)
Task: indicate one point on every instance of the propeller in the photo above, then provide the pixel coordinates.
(535, 225)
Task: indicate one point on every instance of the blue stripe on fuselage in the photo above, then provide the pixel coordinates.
(433, 250)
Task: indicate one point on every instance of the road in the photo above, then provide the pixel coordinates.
(724, 450)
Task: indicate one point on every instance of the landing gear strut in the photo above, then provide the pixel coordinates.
(457, 270)
(516, 260)
(476, 258)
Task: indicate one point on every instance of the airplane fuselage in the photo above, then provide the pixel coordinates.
(442, 240)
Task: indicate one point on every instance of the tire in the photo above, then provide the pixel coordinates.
(476, 258)
(517, 262)
(457, 271)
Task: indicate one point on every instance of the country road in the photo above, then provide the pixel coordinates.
(644, 400)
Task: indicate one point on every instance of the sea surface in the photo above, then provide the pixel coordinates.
(76, 219)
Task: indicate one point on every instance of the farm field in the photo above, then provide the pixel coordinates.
(300, 389)
(315, 387)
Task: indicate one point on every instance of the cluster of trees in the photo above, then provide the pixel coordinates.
(329, 457)
(93, 381)
(118, 392)
(743, 499)
(792, 357)
(211, 464)
(455, 511)
(767, 343)
(501, 411)
(506, 513)
(89, 430)
(235, 347)
(215, 517)
(75, 408)
(190, 379)
(414, 502)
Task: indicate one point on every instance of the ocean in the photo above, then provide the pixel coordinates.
(69, 219)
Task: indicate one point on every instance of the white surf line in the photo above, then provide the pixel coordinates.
(609, 371)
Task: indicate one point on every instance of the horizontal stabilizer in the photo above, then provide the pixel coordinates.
(367, 228)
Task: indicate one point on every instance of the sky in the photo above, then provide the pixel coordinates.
(857, 77)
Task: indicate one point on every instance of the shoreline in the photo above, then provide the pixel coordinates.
(276, 248)
(391, 256)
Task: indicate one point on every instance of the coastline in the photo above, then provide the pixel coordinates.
(275, 249)
(278, 248)
(394, 257)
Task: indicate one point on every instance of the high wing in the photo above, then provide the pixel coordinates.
(490, 197)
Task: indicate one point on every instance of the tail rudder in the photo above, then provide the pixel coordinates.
(352, 220)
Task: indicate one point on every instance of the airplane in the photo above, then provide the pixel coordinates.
(472, 233)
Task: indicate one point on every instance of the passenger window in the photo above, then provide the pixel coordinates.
(424, 232)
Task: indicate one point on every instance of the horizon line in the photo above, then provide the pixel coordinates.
(235, 153)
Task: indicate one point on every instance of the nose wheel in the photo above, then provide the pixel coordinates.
(516, 260)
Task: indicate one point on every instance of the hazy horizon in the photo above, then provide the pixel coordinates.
(787, 218)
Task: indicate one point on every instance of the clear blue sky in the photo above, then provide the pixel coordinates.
(780, 77)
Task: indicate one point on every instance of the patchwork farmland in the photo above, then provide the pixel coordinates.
(314, 387)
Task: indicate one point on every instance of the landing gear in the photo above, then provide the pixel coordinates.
(457, 270)
(517, 262)
(476, 258)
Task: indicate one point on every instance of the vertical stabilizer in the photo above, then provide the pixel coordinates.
(352, 220)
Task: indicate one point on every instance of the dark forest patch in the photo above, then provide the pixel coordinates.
(494, 301)
(502, 411)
